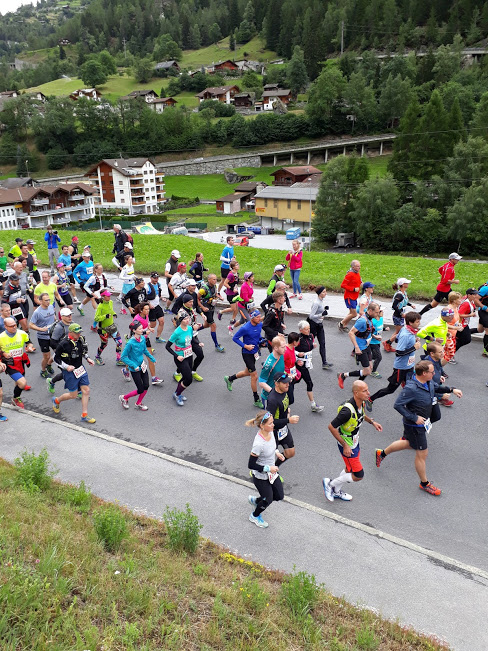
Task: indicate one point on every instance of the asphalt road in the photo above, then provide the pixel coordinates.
(209, 430)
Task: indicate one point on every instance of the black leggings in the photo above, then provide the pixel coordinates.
(141, 380)
(198, 352)
(464, 337)
(306, 377)
(317, 329)
(268, 493)
(394, 381)
(377, 356)
(185, 368)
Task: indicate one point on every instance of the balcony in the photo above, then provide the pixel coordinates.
(20, 214)
(77, 197)
(62, 220)
(40, 202)
(137, 193)
(136, 185)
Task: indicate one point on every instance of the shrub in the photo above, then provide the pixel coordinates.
(33, 471)
(110, 527)
(183, 529)
(79, 497)
(300, 593)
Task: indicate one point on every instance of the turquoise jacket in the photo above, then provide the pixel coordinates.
(133, 353)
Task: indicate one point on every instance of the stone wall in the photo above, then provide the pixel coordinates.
(213, 165)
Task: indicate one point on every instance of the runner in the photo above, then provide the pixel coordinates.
(345, 429)
(438, 329)
(245, 304)
(304, 353)
(133, 357)
(207, 295)
(295, 258)
(275, 363)
(49, 287)
(41, 321)
(248, 337)
(467, 310)
(135, 296)
(453, 327)
(290, 357)
(59, 332)
(12, 343)
(178, 282)
(141, 313)
(62, 282)
(120, 238)
(435, 354)
(178, 304)
(404, 362)
(15, 251)
(15, 294)
(75, 260)
(154, 294)
(52, 238)
(106, 328)
(183, 354)
(188, 306)
(278, 276)
(69, 356)
(278, 405)
(268, 301)
(127, 277)
(417, 404)
(231, 293)
(274, 321)
(31, 261)
(375, 343)
(226, 258)
(66, 259)
(317, 314)
(197, 268)
(400, 302)
(170, 269)
(360, 335)
(351, 285)
(444, 287)
(119, 258)
(81, 273)
(263, 469)
(366, 298)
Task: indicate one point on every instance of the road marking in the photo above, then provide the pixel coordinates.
(451, 563)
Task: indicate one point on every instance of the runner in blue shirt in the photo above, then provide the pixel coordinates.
(275, 363)
(226, 258)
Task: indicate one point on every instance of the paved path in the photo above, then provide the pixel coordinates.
(417, 587)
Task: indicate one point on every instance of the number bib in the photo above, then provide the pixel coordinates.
(427, 425)
(16, 311)
(293, 372)
(187, 352)
(282, 433)
(143, 366)
(250, 305)
(308, 360)
(272, 476)
(411, 360)
(17, 352)
(256, 355)
(78, 372)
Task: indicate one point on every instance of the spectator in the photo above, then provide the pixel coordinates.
(120, 239)
(294, 257)
(52, 238)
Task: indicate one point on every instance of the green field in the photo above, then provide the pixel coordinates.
(253, 50)
(318, 267)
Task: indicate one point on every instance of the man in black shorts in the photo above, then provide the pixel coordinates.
(418, 405)
(444, 288)
(360, 336)
(278, 405)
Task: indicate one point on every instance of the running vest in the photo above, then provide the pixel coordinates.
(207, 295)
(173, 267)
(484, 299)
(349, 430)
(369, 329)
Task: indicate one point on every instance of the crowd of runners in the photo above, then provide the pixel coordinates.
(38, 311)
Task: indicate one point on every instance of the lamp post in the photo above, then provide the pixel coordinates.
(310, 216)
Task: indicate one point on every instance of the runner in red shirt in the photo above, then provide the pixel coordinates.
(444, 288)
(351, 286)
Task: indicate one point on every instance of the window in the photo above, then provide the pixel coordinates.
(265, 203)
(121, 183)
(299, 205)
(275, 203)
(288, 204)
(122, 201)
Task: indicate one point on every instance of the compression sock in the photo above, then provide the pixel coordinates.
(130, 395)
(255, 395)
(425, 309)
(214, 338)
(279, 462)
(353, 374)
(141, 397)
(485, 342)
(17, 392)
(344, 478)
(232, 378)
(180, 388)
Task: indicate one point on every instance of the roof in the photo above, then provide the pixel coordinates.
(279, 92)
(164, 65)
(251, 95)
(299, 192)
(216, 90)
(120, 164)
(17, 195)
(11, 184)
(234, 196)
(142, 93)
(248, 186)
(162, 100)
(219, 63)
(299, 170)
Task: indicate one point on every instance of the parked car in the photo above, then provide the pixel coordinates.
(247, 233)
(241, 241)
(255, 229)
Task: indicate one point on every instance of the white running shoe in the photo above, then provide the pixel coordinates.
(342, 496)
(124, 402)
(141, 407)
(329, 493)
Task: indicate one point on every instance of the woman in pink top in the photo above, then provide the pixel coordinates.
(294, 257)
(246, 302)
(141, 312)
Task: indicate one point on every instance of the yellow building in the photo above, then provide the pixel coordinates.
(283, 207)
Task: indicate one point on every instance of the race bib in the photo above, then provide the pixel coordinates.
(308, 359)
(16, 311)
(78, 372)
(17, 352)
(256, 355)
(282, 433)
(293, 372)
(187, 352)
(143, 366)
(250, 305)
(411, 360)
(427, 425)
(272, 476)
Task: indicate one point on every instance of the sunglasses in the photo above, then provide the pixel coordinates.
(265, 417)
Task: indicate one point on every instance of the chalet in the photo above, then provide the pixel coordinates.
(286, 207)
(269, 96)
(9, 94)
(225, 66)
(244, 100)
(290, 175)
(166, 66)
(158, 105)
(89, 93)
(271, 87)
(253, 187)
(255, 66)
(14, 183)
(38, 96)
(241, 199)
(148, 95)
(219, 93)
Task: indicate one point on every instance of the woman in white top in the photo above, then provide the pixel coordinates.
(263, 468)
(315, 319)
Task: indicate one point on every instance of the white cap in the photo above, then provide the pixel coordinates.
(279, 267)
(176, 253)
(65, 311)
(128, 245)
(86, 254)
(455, 256)
(191, 283)
(403, 281)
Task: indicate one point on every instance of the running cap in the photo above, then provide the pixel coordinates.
(191, 283)
(86, 254)
(368, 284)
(106, 293)
(19, 239)
(182, 265)
(403, 281)
(255, 313)
(30, 242)
(65, 311)
(154, 274)
(175, 253)
(279, 267)
(138, 280)
(128, 245)
(282, 377)
(248, 274)
(87, 246)
(455, 256)
(472, 291)
(60, 264)
(75, 327)
(448, 312)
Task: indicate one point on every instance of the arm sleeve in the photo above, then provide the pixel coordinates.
(254, 465)
(169, 348)
(271, 287)
(272, 407)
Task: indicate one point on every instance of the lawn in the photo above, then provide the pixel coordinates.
(61, 588)
(253, 50)
(318, 267)
(186, 98)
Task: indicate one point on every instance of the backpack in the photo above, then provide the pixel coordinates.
(130, 239)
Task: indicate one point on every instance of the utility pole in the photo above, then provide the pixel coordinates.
(342, 37)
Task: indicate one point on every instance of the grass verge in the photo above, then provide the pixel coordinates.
(319, 268)
(61, 588)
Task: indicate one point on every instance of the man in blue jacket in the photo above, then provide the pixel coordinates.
(248, 337)
(418, 405)
(52, 238)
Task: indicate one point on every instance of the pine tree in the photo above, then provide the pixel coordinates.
(455, 125)
(435, 139)
(406, 144)
(296, 72)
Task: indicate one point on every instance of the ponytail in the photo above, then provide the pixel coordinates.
(257, 421)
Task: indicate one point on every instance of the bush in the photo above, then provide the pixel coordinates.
(300, 593)
(79, 497)
(183, 529)
(111, 527)
(33, 471)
